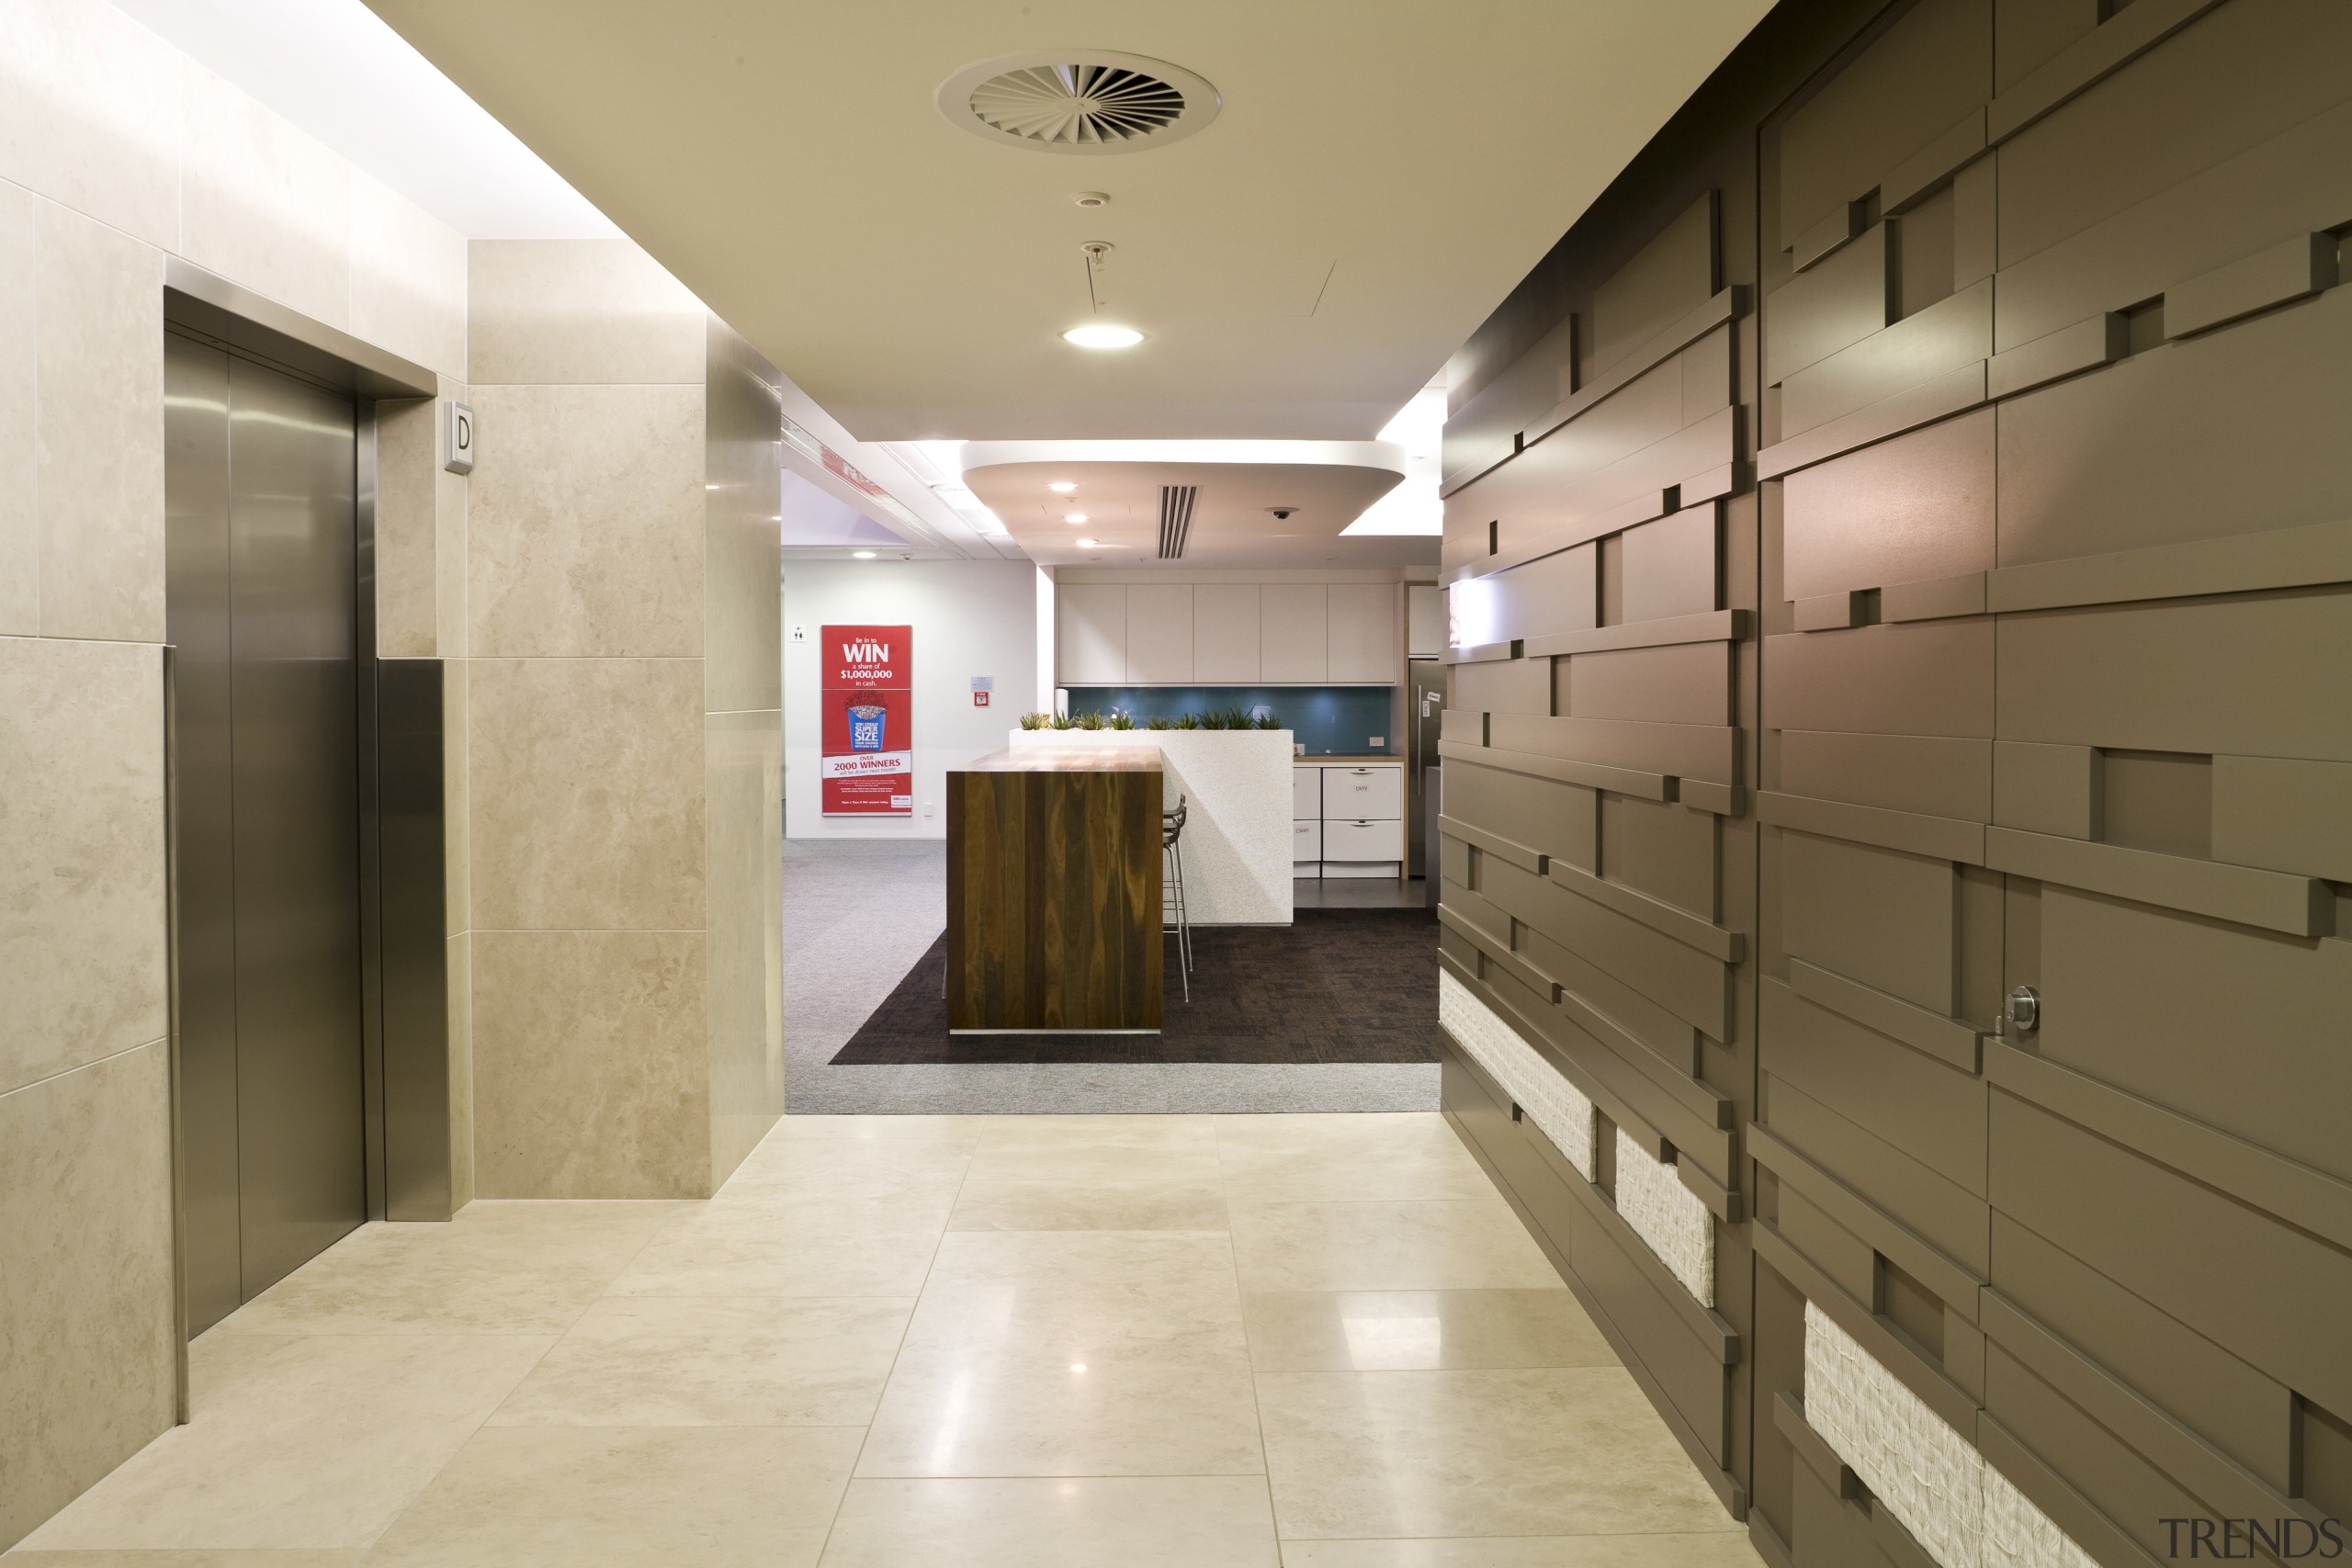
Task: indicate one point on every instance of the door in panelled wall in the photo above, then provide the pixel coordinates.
(260, 534)
(1951, 1126)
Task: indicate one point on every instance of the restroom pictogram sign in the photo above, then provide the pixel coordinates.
(868, 720)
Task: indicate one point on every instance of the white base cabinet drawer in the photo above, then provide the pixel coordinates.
(1306, 793)
(1307, 839)
(1358, 793)
(1363, 839)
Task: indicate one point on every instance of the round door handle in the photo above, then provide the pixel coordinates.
(2024, 1009)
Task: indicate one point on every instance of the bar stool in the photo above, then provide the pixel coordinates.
(1172, 889)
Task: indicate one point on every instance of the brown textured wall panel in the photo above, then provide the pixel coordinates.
(2047, 789)
(2258, 675)
(2132, 1001)
(2137, 1222)
(1945, 337)
(1929, 678)
(1503, 685)
(1660, 848)
(1927, 72)
(1933, 1110)
(1830, 306)
(2028, 33)
(1943, 1212)
(2217, 435)
(1919, 506)
(1672, 275)
(1874, 915)
(1935, 775)
(1672, 567)
(2244, 1414)
(2237, 76)
(1558, 818)
(2285, 814)
(2295, 183)
(1683, 683)
(1554, 594)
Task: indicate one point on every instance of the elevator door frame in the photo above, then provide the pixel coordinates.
(208, 309)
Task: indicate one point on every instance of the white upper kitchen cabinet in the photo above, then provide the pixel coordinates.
(1424, 620)
(1291, 630)
(1091, 626)
(1362, 633)
(1225, 634)
(1159, 634)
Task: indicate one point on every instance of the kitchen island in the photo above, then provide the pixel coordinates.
(1053, 891)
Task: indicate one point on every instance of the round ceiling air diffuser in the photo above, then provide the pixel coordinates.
(1083, 101)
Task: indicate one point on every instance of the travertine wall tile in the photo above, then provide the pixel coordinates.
(86, 1360)
(100, 465)
(579, 312)
(1668, 1216)
(19, 500)
(407, 529)
(744, 840)
(461, 1070)
(584, 523)
(452, 493)
(587, 794)
(590, 1072)
(742, 563)
(82, 917)
(407, 277)
(262, 202)
(90, 114)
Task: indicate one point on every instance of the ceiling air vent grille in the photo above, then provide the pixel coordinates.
(1176, 518)
(1086, 102)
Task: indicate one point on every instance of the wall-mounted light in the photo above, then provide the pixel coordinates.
(1102, 336)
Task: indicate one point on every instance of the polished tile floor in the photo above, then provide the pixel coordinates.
(920, 1342)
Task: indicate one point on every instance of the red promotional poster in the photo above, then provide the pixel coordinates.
(869, 721)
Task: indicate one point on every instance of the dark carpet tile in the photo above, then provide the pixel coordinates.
(1336, 985)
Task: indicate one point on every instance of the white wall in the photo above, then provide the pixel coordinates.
(970, 619)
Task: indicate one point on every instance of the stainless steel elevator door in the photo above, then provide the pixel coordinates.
(261, 570)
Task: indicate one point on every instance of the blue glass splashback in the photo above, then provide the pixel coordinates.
(1327, 720)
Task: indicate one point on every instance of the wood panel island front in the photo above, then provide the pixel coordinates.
(1053, 892)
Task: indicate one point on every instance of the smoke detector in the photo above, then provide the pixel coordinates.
(1079, 100)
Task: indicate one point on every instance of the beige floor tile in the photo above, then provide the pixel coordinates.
(999, 1133)
(1134, 1522)
(1351, 1170)
(1726, 1548)
(715, 1361)
(610, 1498)
(1375, 1130)
(501, 1267)
(806, 1174)
(1072, 1352)
(1177, 1204)
(262, 1558)
(877, 1133)
(1364, 1331)
(837, 1248)
(1081, 1150)
(297, 1442)
(1570, 1451)
(1422, 1245)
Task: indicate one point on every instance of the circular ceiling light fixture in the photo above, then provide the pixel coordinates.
(1087, 101)
(1102, 336)
(1073, 516)
(1061, 487)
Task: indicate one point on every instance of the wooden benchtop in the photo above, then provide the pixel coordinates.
(1140, 758)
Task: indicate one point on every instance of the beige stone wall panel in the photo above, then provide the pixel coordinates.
(579, 310)
(19, 500)
(590, 1077)
(262, 202)
(587, 794)
(90, 114)
(584, 523)
(744, 839)
(82, 918)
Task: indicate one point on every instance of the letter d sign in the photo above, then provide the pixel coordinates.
(458, 438)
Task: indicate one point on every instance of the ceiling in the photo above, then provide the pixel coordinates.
(1379, 175)
(1324, 485)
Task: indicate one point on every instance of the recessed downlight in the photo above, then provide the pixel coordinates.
(861, 554)
(1099, 335)
(1061, 487)
(1088, 544)
(1074, 517)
